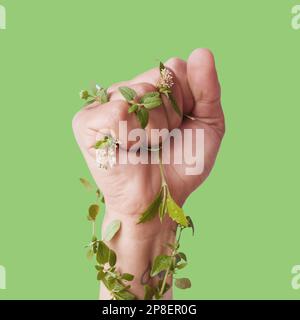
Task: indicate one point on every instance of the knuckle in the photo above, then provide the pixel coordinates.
(176, 62)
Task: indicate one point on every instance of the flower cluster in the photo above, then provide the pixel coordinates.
(166, 79)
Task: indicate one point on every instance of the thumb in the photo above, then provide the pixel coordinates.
(203, 81)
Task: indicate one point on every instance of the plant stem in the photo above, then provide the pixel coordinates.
(162, 289)
(161, 169)
(93, 228)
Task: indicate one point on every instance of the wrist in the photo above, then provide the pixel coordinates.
(136, 246)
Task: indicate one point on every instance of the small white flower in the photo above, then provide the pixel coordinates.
(98, 87)
(166, 79)
(106, 155)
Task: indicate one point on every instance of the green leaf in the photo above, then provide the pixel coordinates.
(112, 258)
(181, 265)
(99, 195)
(86, 183)
(152, 103)
(103, 253)
(191, 224)
(128, 93)
(167, 286)
(148, 292)
(182, 256)
(163, 204)
(112, 230)
(101, 143)
(133, 108)
(174, 104)
(103, 96)
(161, 263)
(127, 276)
(84, 94)
(183, 283)
(152, 210)
(100, 275)
(161, 66)
(175, 212)
(153, 94)
(117, 286)
(89, 102)
(143, 117)
(93, 212)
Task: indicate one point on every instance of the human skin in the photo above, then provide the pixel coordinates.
(129, 189)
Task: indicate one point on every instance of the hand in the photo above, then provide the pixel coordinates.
(129, 189)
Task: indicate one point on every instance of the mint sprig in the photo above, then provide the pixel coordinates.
(141, 106)
(164, 204)
(97, 93)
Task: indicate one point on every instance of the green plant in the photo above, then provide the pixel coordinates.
(97, 93)
(141, 106)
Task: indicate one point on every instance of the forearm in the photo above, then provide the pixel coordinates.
(136, 246)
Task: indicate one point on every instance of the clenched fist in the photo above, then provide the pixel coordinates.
(129, 188)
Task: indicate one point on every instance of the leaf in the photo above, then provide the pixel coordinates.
(143, 117)
(89, 102)
(100, 275)
(151, 103)
(167, 286)
(174, 104)
(128, 93)
(117, 286)
(112, 258)
(133, 108)
(103, 96)
(93, 212)
(161, 263)
(112, 230)
(182, 256)
(86, 183)
(181, 265)
(161, 67)
(100, 196)
(175, 212)
(153, 94)
(183, 283)
(101, 143)
(90, 254)
(127, 276)
(148, 292)
(191, 224)
(163, 204)
(152, 210)
(103, 253)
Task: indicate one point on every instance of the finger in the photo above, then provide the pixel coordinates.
(204, 84)
(113, 118)
(152, 76)
(157, 116)
(179, 68)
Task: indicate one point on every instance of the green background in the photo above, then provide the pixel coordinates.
(247, 212)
